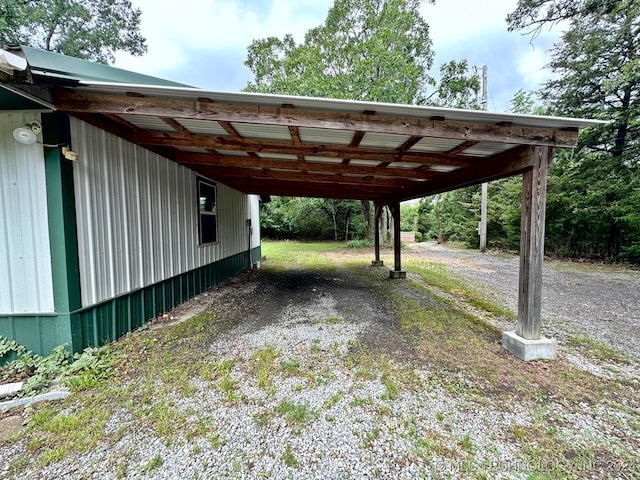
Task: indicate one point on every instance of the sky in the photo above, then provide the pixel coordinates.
(203, 43)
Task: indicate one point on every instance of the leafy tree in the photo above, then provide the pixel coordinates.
(375, 50)
(89, 29)
(458, 87)
(593, 192)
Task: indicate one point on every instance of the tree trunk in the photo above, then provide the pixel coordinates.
(366, 212)
(346, 229)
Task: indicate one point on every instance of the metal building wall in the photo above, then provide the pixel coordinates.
(137, 216)
(26, 284)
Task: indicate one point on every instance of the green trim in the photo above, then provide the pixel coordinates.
(12, 101)
(61, 215)
(38, 333)
(72, 68)
(256, 254)
(104, 322)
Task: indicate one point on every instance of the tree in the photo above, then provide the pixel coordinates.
(594, 196)
(375, 50)
(89, 29)
(458, 88)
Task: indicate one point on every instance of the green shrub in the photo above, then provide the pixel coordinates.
(358, 243)
(418, 236)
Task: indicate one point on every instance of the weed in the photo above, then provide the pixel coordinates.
(358, 244)
(466, 442)
(289, 458)
(291, 368)
(215, 440)
(333, 399)
(264, 363)
(153, 464)
(370, 437)
(52, 455)
(296, 415)
(599, 350)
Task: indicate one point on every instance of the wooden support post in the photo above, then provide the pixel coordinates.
(534, 195)
(376, 236)
(483, 219)
(397, 264)
(526, 342)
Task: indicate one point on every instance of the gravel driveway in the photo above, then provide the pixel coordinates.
(303, 373)
(596, 301)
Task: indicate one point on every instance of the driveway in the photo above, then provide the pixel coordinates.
(597, 301)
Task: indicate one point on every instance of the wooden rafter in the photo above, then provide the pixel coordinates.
(287, 148)
(192, 159)
(307, 177)
(499, 166)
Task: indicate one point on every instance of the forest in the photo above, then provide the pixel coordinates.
(593, 203)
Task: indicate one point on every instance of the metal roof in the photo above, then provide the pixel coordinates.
(299, 146)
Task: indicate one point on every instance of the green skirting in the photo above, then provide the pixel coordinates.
(104, 322)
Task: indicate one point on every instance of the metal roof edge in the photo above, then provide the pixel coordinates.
(348, 106)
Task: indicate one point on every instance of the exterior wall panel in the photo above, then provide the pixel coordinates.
(137, 217)
(26, 284)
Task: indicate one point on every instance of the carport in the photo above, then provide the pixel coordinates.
(385, 153)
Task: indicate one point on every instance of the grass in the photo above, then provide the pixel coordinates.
(599, 350)
(295, 414)
(265, 366)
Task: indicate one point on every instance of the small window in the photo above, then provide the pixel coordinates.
(208, 212)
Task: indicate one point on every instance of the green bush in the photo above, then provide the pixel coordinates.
(418, 236)
(358, 243)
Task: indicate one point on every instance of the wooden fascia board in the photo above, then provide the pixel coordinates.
(493, 168)
(72, 101)
(144, 137)
(189, 158)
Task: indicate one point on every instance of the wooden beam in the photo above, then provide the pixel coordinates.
(462, 147)
(119, 129)
(338, 180)
(534, 194)
(503, 165)
(288, 148)
(71, 101)
(189, 158)
(294, 189)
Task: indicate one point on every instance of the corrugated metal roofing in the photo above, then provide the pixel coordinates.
(260, 143)
(344, 106)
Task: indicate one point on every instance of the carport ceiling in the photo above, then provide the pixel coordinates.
(295, 146)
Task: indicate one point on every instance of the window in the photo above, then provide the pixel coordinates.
(208, 212)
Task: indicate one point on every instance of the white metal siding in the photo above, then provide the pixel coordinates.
(137, 216)
(26, 284)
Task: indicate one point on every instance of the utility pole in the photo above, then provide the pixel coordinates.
(482, 228)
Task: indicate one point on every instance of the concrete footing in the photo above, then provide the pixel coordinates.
(377, 263)
(527, 350)
(397, 274)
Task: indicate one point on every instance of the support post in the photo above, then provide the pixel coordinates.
(483, 219)
(376, 236)
(526, 342)
(397, 263)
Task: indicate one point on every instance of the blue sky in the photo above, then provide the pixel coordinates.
(206, 48)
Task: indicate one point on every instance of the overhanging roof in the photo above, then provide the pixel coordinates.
(298, 146)
(283, 145)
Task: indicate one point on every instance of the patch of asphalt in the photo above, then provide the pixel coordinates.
(596, 302)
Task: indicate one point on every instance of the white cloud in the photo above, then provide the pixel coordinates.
(215, 26)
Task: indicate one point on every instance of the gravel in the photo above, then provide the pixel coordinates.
(585, 300)
(348, 427)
